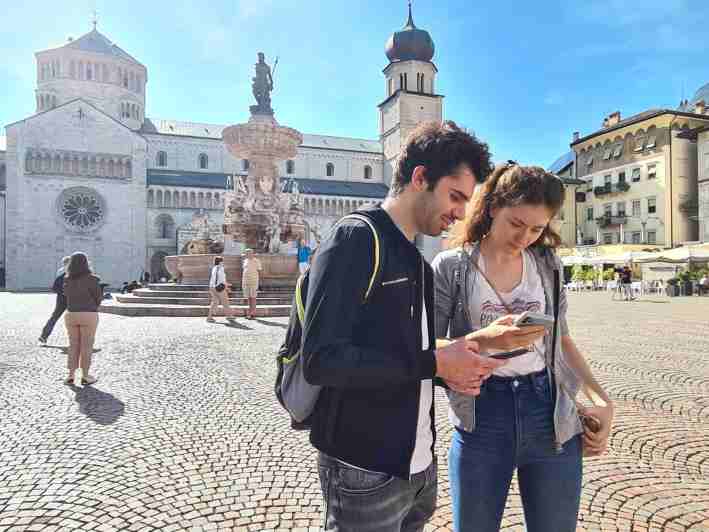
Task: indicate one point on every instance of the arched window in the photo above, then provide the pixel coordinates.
(88, 71)
(165, 226)
(245, 165)
(54, 102)
(151, 198)
(72, 69)
(368, 172)
(203, 161)
(329, 170)
(161, 159)
(125, 80)
(158, 198)
(290, 167)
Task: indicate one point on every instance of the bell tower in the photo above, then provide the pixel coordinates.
(410, 89)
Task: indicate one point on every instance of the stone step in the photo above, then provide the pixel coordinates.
(148, 293)
(203, 287)
(203, 300)
(126, 309)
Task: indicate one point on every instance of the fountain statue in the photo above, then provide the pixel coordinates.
(259, 213)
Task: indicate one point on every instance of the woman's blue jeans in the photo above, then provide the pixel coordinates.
(514, 430)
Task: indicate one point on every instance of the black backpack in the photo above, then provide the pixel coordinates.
(294, 393)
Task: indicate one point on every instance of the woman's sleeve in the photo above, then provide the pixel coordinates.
(442, 296)
(563, 302)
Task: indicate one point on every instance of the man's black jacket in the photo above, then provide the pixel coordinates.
(368, 357)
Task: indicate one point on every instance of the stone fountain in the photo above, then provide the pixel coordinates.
(257, 213)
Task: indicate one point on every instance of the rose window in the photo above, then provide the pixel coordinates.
(81, 209)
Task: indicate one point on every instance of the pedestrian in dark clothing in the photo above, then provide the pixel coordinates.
(59, 305)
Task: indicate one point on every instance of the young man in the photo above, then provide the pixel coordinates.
(59, 304)
(250, 281)
(374, 420)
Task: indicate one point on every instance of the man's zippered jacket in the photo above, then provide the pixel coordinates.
(368, 357)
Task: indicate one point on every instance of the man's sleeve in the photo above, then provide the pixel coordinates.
(332, 355)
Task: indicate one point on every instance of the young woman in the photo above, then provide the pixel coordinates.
(218, 291)
(83, 297)
(525, 417)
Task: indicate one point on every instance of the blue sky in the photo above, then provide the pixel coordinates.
(522, 75)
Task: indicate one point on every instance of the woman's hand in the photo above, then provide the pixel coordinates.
(503, 335)
(596, 443)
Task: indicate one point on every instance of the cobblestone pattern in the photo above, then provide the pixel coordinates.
(182, 431)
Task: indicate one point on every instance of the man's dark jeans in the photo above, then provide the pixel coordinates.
(514, 430)
(59, 308)
(358, 500)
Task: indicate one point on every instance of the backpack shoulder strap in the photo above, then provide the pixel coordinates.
(377, 250)
(300, 306)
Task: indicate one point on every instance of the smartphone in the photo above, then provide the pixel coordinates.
(510, 354)
(534, 318)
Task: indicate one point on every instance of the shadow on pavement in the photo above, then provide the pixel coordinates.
(65, 348)
(100, 407)
(234, 325)
(272, 323)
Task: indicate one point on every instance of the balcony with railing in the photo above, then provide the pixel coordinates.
(608, 220)
(608, 188)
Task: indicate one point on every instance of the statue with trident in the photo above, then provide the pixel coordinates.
(262, 85)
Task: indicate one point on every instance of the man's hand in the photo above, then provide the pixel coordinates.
(502, 334)
(460, 365)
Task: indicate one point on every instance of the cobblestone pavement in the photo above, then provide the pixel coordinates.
(182, 431)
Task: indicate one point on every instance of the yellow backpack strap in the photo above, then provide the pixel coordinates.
(299, 300)
(376, 248)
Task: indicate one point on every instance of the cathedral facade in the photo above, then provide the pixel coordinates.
(89, 171)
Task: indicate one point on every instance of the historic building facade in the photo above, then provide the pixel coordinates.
(640, 179)
(89, 171)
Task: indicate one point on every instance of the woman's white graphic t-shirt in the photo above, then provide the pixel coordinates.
(486, 307)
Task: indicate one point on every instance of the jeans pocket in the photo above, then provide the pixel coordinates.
(543, 390)
(355, 481)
